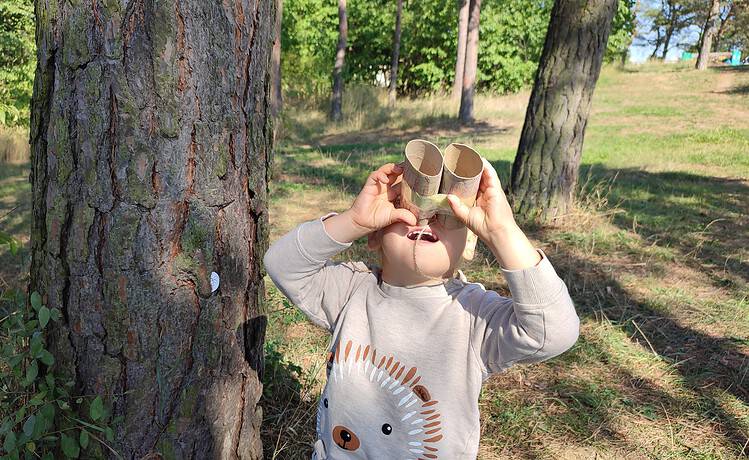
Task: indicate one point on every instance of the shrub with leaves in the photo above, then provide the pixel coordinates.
(37, 419)
(17, 60)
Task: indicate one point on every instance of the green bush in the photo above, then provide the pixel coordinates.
(512, 36)
(39, 412)
(17, 61)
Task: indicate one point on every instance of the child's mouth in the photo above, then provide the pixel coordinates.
(426, 235)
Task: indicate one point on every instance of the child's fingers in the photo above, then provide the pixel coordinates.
(394, 191)
(489, 177)
(402, 215)
(459, 208)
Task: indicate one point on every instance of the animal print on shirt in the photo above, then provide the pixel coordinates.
(373, 404)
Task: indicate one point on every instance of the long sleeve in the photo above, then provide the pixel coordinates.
(538, 323)
(299, 265)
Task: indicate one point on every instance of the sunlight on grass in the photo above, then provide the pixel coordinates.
(653, 253)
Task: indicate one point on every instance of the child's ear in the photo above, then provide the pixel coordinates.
(374, 240)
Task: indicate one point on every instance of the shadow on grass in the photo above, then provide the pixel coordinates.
(698, 217)
(708, 365)
(740, 89)
(15, 218)
(288, 428)
(702, 217)
(733, 69)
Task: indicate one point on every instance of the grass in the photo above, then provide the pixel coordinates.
(655, 256)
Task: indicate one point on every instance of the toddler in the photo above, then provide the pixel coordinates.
(412, 342)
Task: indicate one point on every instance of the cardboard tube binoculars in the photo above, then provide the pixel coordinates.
(429, 176)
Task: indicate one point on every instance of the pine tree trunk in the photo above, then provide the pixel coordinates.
(460, 62)
(472, 55)
(276, 99)
(545, 169)
(711, 27)
(340, 56)
(151, 138)
(393, 90)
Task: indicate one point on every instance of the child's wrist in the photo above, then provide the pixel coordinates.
(499, 236)
(512, 249)
(343, 227)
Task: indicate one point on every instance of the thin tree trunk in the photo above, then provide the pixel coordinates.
(658, 41)
(340, 56)
(711, 27)
(723, 21)
(393, 90)
(276, 100)
(671, 29)
(472, 55)
(460, 62)
(545, 169)
(151, 139)
(667, 42)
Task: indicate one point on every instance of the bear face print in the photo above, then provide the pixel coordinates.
(374, 406)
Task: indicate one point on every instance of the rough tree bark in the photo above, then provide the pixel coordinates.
(460, 61)
(393, 90)
(709, 31)
(151, 138)
(340, 56)
(276, 98)
(545, 169)
(465, 113)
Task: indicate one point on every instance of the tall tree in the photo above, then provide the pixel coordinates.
(393, 90)
(708, 32)
(472, 55)
(276, 99)
(666, 23)
(545, 169)
(340, 56)
(150, 135)
(460, 61)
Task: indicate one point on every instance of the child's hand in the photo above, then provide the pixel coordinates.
(491, 220)
(373, 208)
(491, 213)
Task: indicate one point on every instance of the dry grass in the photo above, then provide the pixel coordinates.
(14, 145)
(654, 255)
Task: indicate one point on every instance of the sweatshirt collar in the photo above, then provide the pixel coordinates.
(444, 289)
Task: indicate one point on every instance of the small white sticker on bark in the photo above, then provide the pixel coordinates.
(214, 281)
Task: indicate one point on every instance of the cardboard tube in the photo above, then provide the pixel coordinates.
(422, 174)
(461, 177)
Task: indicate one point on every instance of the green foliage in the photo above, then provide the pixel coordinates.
(38, 409)
(308, 40)
(17, 61)
(511, 40)
(622, 31)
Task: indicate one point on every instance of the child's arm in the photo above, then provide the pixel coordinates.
(299, 262)
(540, 321)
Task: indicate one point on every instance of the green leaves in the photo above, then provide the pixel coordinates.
(69, 446)
(97, 409)
(36, 300)
(83, 439)
(28, 427)
(10, 442)
(46, 417)
(44, 315)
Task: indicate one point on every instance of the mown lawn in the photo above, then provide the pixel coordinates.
(655, 256)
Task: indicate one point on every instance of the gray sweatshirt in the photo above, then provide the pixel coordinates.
(406, 365)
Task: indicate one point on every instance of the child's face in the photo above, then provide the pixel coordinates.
(438, 251)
